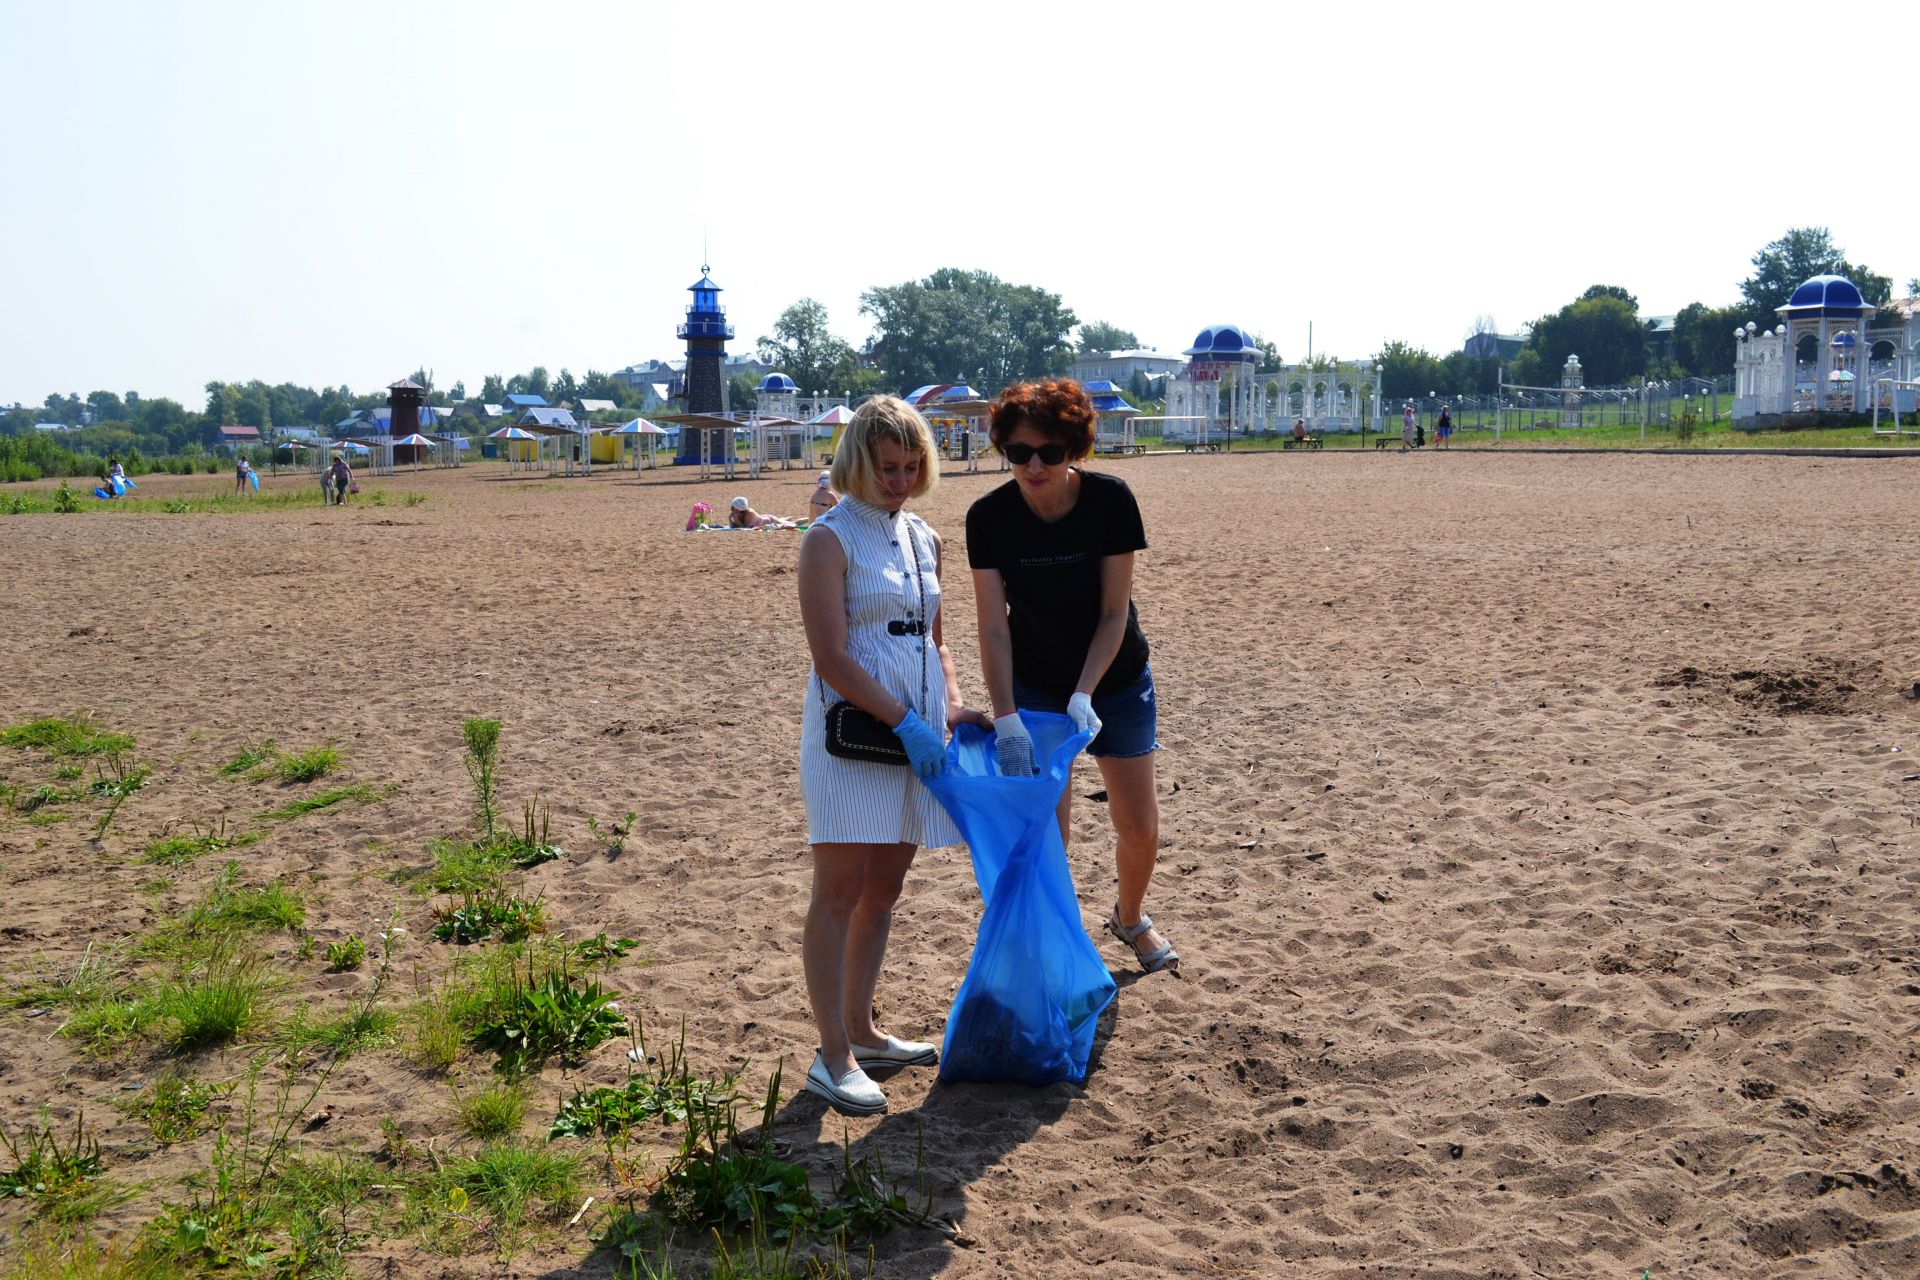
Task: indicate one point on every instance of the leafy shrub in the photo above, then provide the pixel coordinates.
(549, 1017)
(350, 954)
(489, 913)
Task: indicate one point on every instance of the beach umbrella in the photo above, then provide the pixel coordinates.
(510, 433)
(641, 427)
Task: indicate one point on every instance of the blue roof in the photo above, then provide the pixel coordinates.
(1112, 404)
(777, 384)
(703, 283)
(526, 402)
(1101, 386)
(1224, 342)
(1827, 293)
(549, 417)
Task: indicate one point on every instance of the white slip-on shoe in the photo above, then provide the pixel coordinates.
(853, 1094)
(896, 1053)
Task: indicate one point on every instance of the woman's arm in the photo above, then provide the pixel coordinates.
(823, 611)
(958, 711)
(1116, 595)
(996, 643)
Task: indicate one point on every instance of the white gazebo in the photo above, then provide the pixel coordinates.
(1768, 371)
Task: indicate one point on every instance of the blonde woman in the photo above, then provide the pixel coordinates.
(869, 584)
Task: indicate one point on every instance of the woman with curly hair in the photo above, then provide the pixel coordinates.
(1052, 557)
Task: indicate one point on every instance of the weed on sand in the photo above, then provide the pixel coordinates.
(59, 1172)
(361, 793)
(249, 758)
(496, 1111)
(179, 851)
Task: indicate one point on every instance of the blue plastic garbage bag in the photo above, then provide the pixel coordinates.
(1035, 986)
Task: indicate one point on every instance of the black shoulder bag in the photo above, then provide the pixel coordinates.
(853, 734)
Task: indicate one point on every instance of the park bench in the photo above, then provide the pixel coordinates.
(1302, 442)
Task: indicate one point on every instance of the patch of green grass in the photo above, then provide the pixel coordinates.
(511, 1179)
(231, 907)
(175, 1105)
(461, 867)
(76, 735)
(61, 1255)
(179, 851)
(360, 793)
(249, 758)
(68, 773)
(215, 1000)
(361, 1028)
(305, 766)
(495, 1112)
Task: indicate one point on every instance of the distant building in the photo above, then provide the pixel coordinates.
(1494, 346)
(526, 402)
(232, 437)
(602, 407)
(544, 416)
(1119, 367)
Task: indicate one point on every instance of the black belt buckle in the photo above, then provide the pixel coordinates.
(908, 627)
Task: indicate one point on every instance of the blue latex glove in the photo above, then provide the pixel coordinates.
(1013, 747)
(925, 751)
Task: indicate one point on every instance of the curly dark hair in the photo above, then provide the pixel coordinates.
(1058, 408)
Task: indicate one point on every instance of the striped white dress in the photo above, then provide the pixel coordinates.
(855, 801)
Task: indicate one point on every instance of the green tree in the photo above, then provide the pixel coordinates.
(493, 390)
(1098, 335)
(458, 393)
(1610, 291)
(1408, 372)
(968, 325)
(743, 391)
(1703, 339)
(806, 350)
(1269, 354)
(1799, 255)
(565, 388)
(104, 406)
(1602, 329)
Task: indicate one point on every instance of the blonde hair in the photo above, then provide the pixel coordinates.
(883, 418)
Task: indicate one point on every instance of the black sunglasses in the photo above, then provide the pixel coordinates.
(1021, 454)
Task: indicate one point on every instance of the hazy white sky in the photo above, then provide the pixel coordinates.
(338, 192)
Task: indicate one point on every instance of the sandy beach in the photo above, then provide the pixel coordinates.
(1538, 834)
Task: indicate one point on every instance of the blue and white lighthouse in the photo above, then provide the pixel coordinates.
(706, 332)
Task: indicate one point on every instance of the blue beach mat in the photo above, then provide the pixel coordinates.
(1035, 987)
(254, 476)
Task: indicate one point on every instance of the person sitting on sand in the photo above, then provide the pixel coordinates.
(743, 516)
(823, 498)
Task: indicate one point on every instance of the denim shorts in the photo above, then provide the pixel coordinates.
(1129, 717)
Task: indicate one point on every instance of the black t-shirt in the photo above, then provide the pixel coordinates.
(1052, 576)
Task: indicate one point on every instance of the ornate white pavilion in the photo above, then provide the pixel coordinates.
(1822, 358)
(1222, 394)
